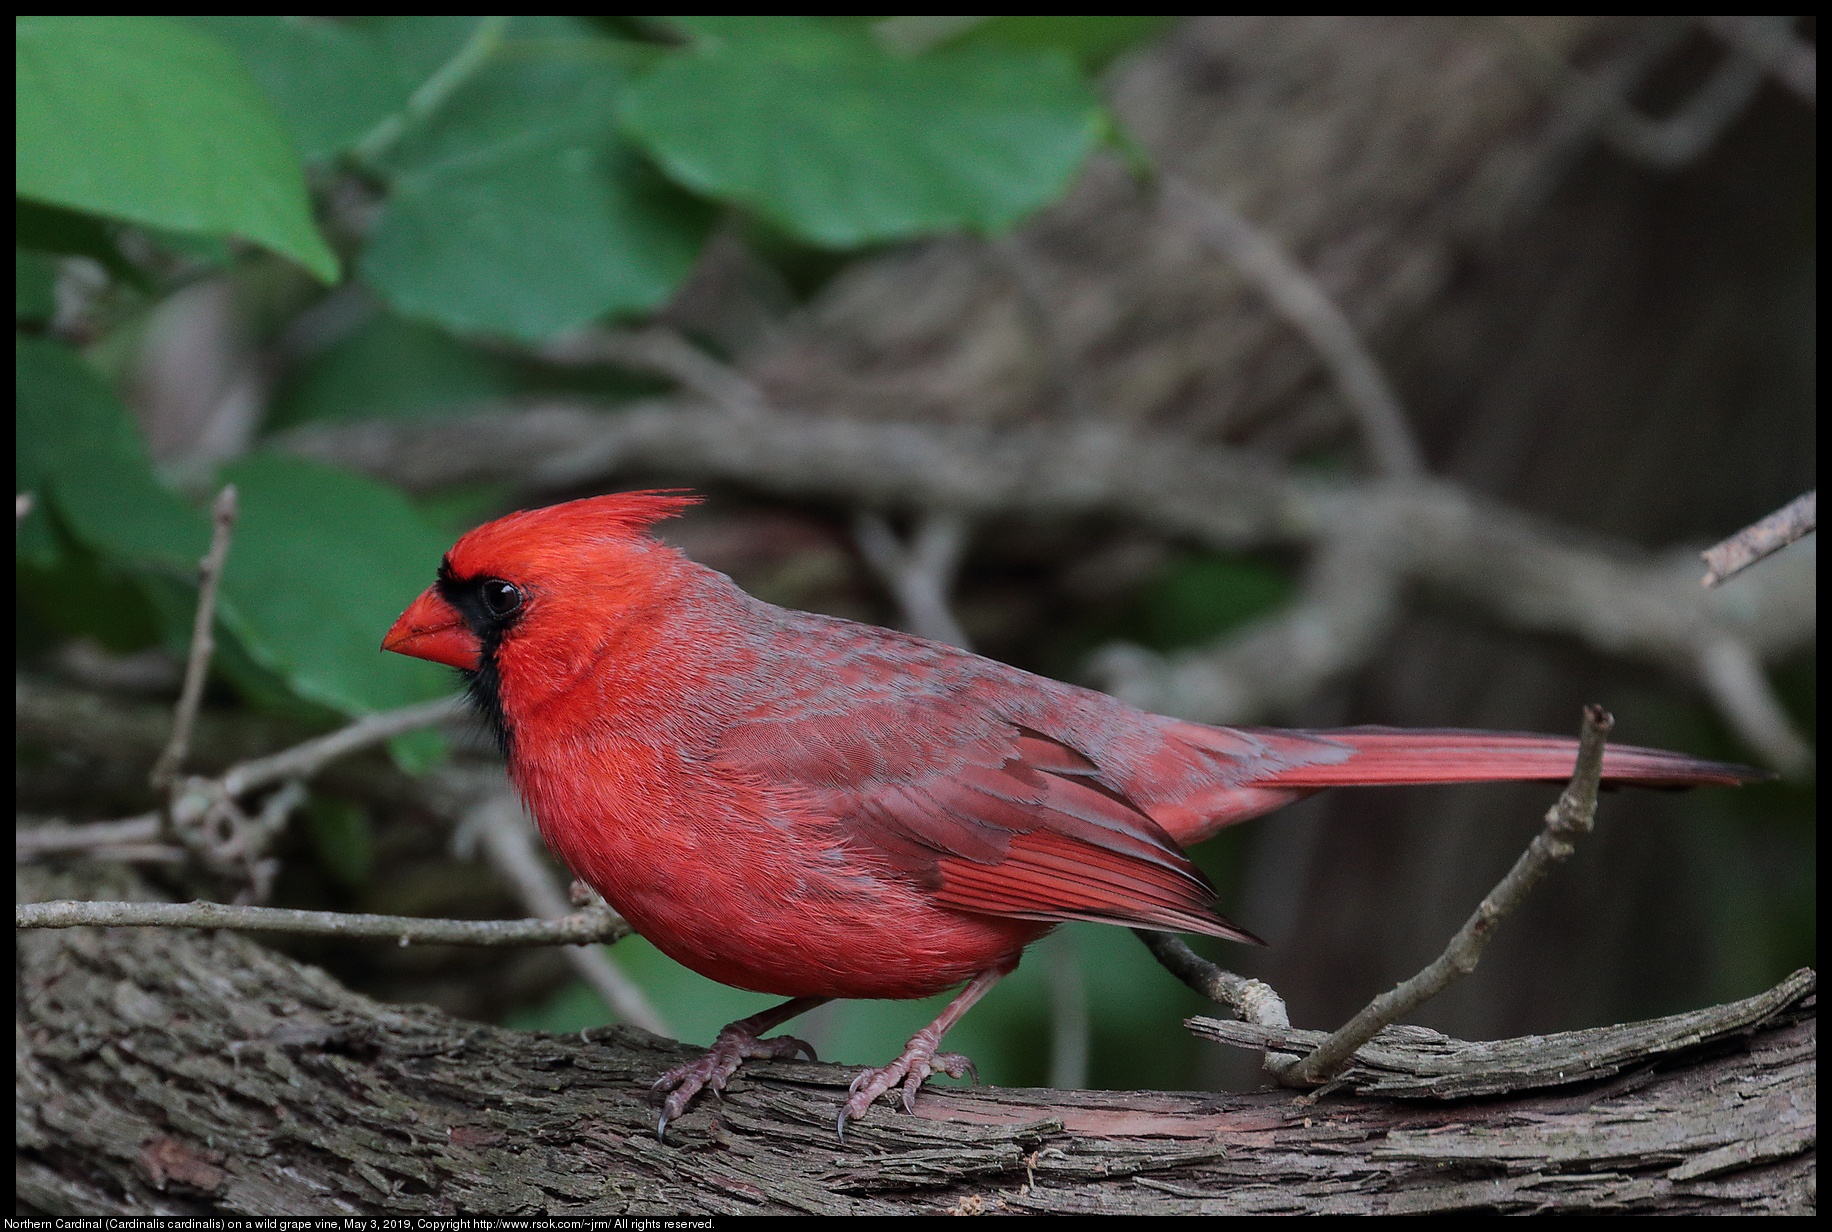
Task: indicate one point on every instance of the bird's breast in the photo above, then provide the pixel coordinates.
(747, 883)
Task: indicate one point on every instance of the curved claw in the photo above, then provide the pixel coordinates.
(712, 1070)
(910, 1071)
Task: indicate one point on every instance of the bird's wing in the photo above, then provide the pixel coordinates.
(987, 815)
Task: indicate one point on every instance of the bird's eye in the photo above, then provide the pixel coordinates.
(501, 597)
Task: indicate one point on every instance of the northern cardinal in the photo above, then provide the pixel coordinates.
(806, 806)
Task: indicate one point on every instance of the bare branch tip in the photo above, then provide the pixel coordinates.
(1760, 539)
(223, 512)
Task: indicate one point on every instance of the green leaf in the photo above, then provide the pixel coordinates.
(843, 143)
(323, 562)
(78, 449)
(329, 82)
(75, 593)
(391, 368)
(419, 46)
(107, 551)
(153, 121)
(516, 209)
(1094, 41)
(719, 29)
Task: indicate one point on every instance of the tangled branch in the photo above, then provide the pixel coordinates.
(1369, 541)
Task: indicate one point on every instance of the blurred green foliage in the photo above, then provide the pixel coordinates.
(841, 142)
(1091, 40)
(532, 174)
(1199, 597)
(343, 838)
(391, 368)
(150, 120)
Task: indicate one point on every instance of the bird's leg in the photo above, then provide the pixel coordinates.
(735, 1043)
(920, 1059)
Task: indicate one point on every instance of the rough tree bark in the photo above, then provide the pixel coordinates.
(183, 1073)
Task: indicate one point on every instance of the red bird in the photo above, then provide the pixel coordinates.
(810, 807)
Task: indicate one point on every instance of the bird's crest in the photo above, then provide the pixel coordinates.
(554, 535)
(613, 513)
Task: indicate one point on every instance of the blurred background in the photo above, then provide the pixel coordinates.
(874, 286)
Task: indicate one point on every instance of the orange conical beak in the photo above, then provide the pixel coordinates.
(432, 629)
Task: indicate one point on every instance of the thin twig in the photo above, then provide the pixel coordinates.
(203, 641)
(475, 52)
(579, 928)
(508, 841)
(920, 573)
(132, 840)
(1251, 1000)
(1571, 817)
(1681, 138)
(306, 759)
(30, 841)
(207, 816)
(664, 352)
(1761, 539)
(1304, 303)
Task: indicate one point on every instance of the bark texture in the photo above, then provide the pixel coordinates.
(185, 1073)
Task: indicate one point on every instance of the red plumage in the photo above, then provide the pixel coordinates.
(811, 807)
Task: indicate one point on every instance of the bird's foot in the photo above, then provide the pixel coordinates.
(735, 1045)
(911, 1069)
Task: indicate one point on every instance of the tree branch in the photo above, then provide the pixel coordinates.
(662, 351)
(164, 1071)
(1760, 540)
(1304, 303)
(1251, 1000)
(594, 927)
(921, 573)
(1408, 1062)
(1570, 818)
(1518, 570)
(1743, 695)
(307, 759)
(1683, 136)
(203, 641)
(1772, 43)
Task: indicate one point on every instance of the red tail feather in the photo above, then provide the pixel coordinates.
(1392, 756)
